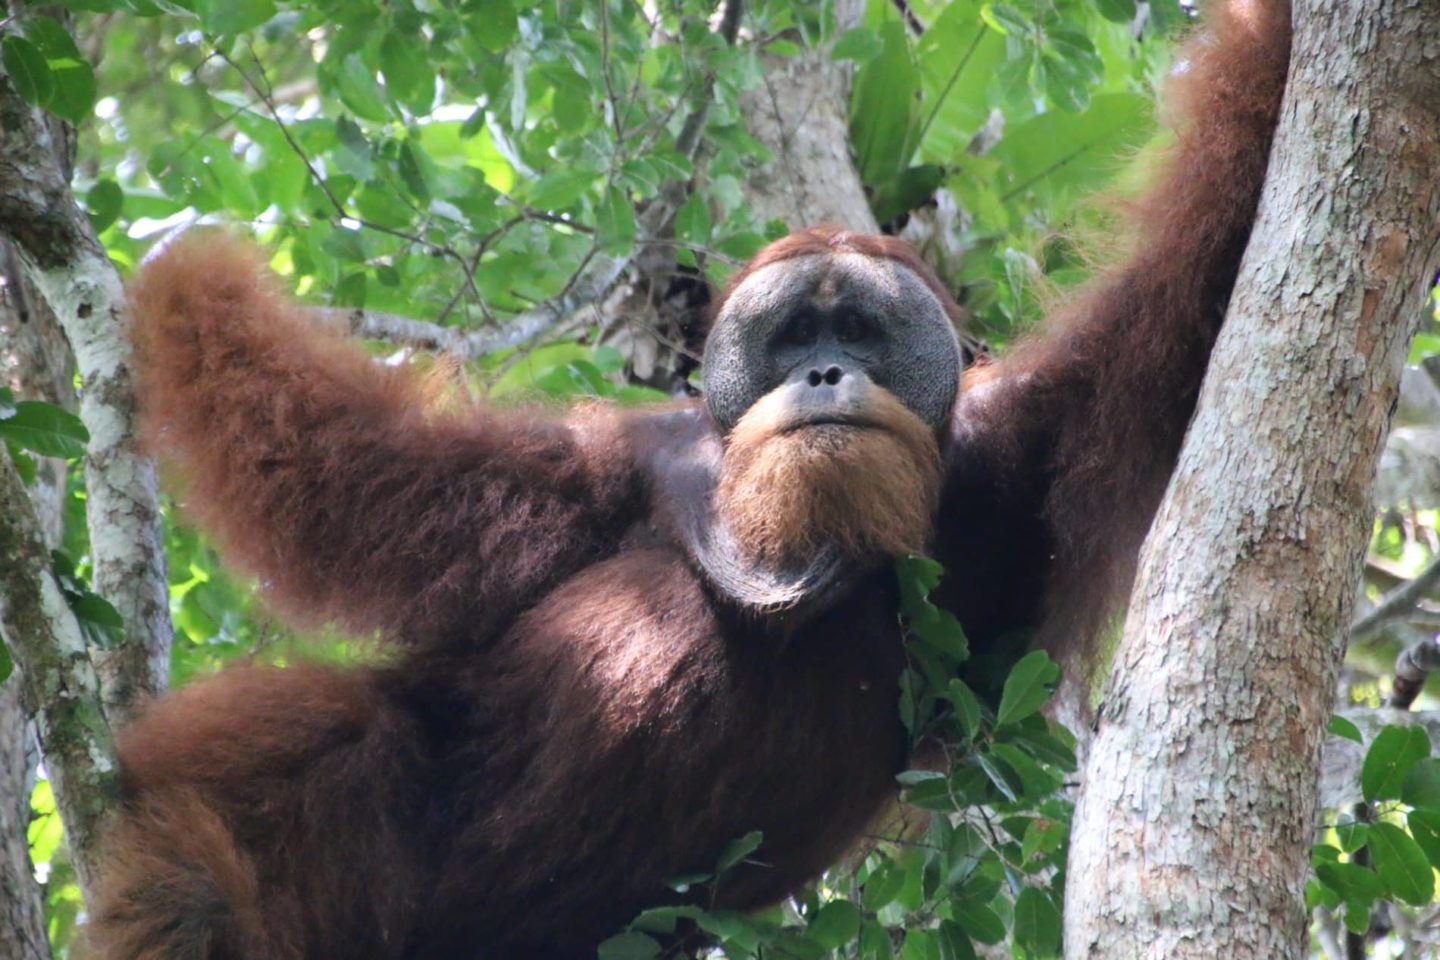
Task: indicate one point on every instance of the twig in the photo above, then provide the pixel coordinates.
(1398, 603)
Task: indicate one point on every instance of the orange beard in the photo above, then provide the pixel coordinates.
(785, 494)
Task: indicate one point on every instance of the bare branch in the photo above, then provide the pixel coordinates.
(1398, 603)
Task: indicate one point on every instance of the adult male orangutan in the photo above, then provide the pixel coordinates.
(624, 638)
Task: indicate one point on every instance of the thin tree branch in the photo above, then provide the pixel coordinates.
(1398, 603)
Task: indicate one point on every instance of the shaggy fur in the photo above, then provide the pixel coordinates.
(786, 493)
(576, 714)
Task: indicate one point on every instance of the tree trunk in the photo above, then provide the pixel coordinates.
(801, 112)
(1198, 806)
(35, 363)
(70, 268)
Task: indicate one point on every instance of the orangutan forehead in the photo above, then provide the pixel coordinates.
(876, 285)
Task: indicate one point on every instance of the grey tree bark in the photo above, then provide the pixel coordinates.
(801, 113)
(1198, 806)
(35, 363)
(67, 264)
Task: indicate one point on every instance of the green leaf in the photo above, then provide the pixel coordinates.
(692, 222)
(499, 26)
(954, 944)
(1425, 828)
(406, 66)
(978, 921)
(1028, 687)
(357, 87)
(1390, 759)
(968, 712)
(859, 44)
(883, 885)
(1401, 864)
(105, 201)
(99, 621)
(737, 850)
(1354, 883)
(7, 666)
(1422, 784)
(1058, 155)
(631, 945)
(1037, 923)
(837, 923)
(233, 16)
(26, 67)
(883, 106)
(45, 429)
(1344, 729)
(1352, 836)
(663, 919)
(1117, 11)
(73, 95)
(615, 223)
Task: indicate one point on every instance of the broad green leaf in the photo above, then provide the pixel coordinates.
(73, 93)
(630, 946)
(663, 919)
(882, 107)
(1057, 155)
(1005, 779)
(859, 44)
(406, 66)
(357, 87)
(920, 945)
(105, 201)
(615, 222)
(954, 944)
(1425, 828)
(1344, 729)
(1027, 688)
(978, 920)
(233, 16)
(26, 67)
(99, 621)
(883, 885)
(1401, 864)
(1422, 784)
(6, 664)
(45, 429)
(1390, 759)
(1354, 883)
(837, 923)
(692, 222)
(1118, 11)
(968, 712)
(497, 28)
(737, 850)
(1037, 923)
(1352, 836)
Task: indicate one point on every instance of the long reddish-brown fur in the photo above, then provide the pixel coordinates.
(574, 717)
(1082, 423)
(786, 495)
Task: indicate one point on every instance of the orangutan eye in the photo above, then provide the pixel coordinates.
(802, 330)
(852, 327)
